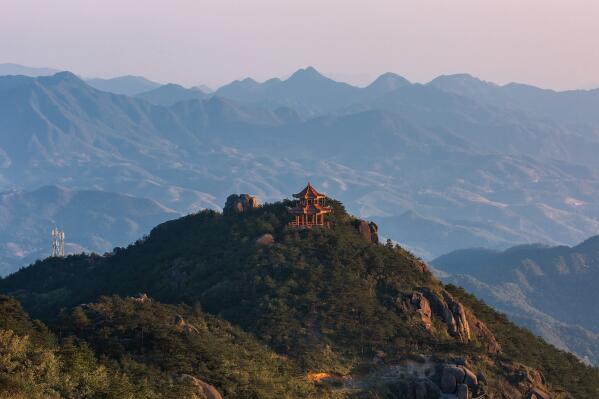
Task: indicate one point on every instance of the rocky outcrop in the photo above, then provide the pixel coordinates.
(204, 390)
(527, 380)
(237, 203)
(420, 266)
(460, 323)
(459, 380)
(369, 231)
(452, 312)
(265, 239)
(535, 377)
(142, 298)
(184, 326)
(423, 309)
(484, 335)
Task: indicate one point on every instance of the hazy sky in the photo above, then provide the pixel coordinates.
(549, 43)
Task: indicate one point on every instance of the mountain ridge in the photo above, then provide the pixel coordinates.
(64, 132)
(128, 85)
(17, 69)
(170, 94)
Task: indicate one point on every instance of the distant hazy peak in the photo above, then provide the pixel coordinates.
(61, 77)
(388, 81)
(592, 242)
(16, 69)
(126, 77)
(460, 79)
(129, 85)
(307, 73)
(247, 83)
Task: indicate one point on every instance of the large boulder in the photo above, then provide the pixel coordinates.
(450, 374)
(423, 309)
(369, 231)
(448, 382)
(237, 203)
(463, 392)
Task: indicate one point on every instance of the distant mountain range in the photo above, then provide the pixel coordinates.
(94, 221)
(170, 94)
(309, 92)
(16, 69)
(578, 107)
(551, 290)
(423, 160)
(127, 85)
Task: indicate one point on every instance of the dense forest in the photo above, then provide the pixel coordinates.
(318, 312)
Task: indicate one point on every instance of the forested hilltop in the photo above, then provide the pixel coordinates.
(239, 303)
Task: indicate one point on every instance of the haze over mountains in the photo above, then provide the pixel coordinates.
(420, 159)
(16, 69)
(95, 221)
(127, 85)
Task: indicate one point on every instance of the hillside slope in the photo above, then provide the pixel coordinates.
(137, 348)
(537, 286)
(333, 302)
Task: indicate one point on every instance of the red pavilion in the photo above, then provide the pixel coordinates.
(310, 209)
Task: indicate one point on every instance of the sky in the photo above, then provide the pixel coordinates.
(548, 43)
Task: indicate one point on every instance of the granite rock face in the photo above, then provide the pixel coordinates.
(369, 231)
(182, 325)
(237, 203)
(423, 309)
(452, 312)
(459, 380)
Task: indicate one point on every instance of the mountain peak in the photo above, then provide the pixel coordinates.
(306, 73)
(62, 77)
(388, 81)
(16, 69)
(247, 83)
(459, 79)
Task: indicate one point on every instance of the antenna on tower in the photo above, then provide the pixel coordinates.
(57, 243)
